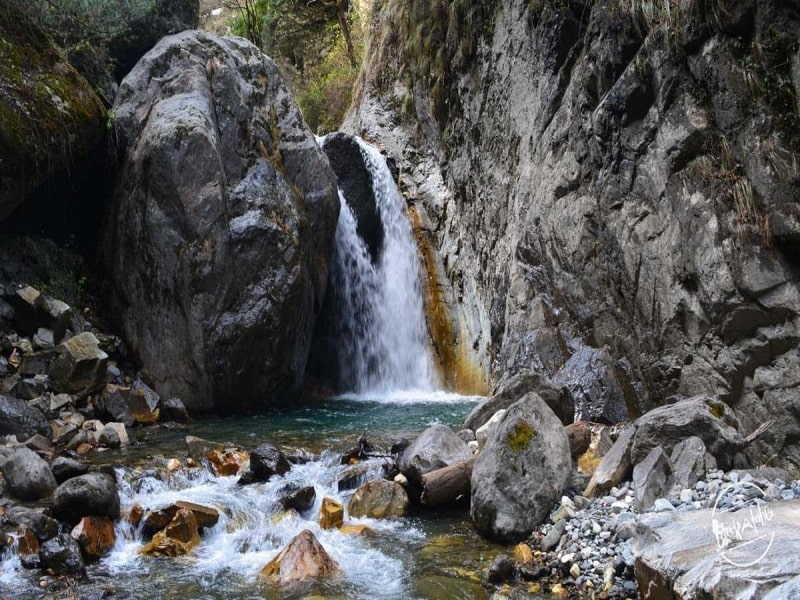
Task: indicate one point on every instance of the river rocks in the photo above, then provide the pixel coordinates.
(331, 514)
(62, 554)
(704, 417)
(95, 536)
(378, 499)
(218, 287)
(144, 403)
(206, 516)
(80, 366)
(303, 558)
(615, 467)
(52, 118)
(173, 409)
(690, 462)
(42, 526)
(652, 478)
(680, 555)
(179, 536)
(94, 494)
(523, 469)
(266, 461)
(436, 447)
(28, 476)
(18, 418)
(301, 499)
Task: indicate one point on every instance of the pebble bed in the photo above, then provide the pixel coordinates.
(586, 548)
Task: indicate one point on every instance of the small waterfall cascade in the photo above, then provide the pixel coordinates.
(380, 323)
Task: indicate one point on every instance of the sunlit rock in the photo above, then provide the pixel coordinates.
(331, 514)
(304, 558)
(378, 499)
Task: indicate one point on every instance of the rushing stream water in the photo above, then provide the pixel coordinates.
(386, 358)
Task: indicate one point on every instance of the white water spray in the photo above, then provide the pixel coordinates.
(381, 324)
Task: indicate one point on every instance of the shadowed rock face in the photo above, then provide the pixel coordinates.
(355, 182)
(595, 183)
(221, 224)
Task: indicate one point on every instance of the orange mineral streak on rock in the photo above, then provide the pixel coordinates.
(459, 367)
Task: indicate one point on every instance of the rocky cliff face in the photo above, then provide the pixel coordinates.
(221, 224)
(612, 188)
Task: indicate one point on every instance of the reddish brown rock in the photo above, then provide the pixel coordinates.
(95, 536)
(580, 437)
(177, 538)
(304, 558)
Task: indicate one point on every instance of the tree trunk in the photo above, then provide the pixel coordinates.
(341, 13)
(447, 484)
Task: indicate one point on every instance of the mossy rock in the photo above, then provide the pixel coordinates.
(50, 117)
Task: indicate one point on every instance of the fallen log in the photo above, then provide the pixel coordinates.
(447, 484)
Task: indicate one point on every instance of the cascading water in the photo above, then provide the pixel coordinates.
(383, 344)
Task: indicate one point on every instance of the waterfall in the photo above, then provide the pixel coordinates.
(380, 325)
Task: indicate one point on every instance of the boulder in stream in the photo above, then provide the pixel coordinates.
(179, 537)
(62, 554)
(303, 558)
(378, 499)
(95, 536)
(331, 514)
(524, 468)
(85, 495)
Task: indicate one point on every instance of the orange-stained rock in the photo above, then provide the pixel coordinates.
(379, 499)
(136, 514)
(523, 553)
(27, 542)
(331, 514)
(95, 536)
(84, 448)
(173, 464)
(179, 537)
(224, 462)
(304, 558)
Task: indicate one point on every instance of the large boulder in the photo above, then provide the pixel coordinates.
(220, 225)
(18, 418)
(85, 495)
(524, 468)
(378, 499)
(28, 476)
(436, 447)
(710, 553)
(50, 117)
(705, 417)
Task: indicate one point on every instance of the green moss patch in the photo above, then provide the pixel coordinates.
(520, 436)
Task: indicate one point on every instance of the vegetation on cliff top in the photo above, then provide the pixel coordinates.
(318, 46)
